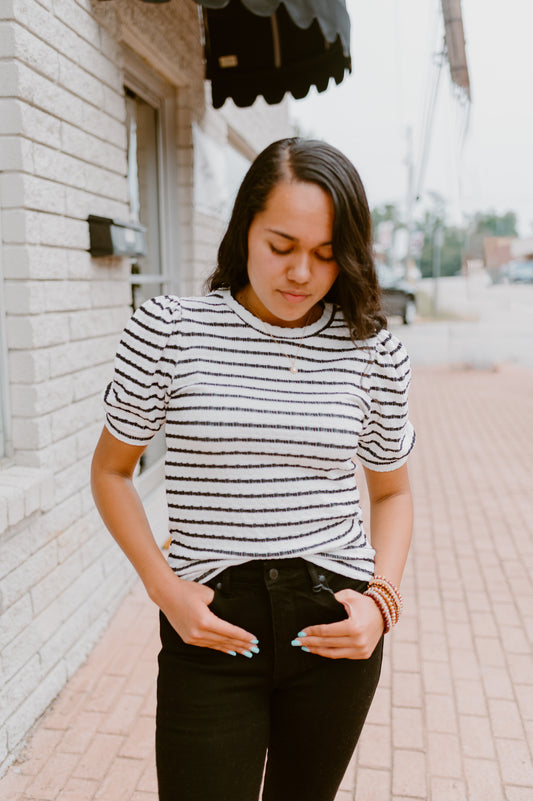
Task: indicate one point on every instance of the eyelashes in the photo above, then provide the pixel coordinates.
(279, 252)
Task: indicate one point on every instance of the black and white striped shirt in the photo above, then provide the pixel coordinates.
(259, 461)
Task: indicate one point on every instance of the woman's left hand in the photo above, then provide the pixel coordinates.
(353, 638)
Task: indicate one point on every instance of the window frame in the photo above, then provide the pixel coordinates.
(6, 437)
(162, 96)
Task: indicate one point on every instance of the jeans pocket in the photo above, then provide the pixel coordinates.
(326, 583)
(337, 582)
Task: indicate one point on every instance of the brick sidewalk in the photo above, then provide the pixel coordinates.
(453, 717)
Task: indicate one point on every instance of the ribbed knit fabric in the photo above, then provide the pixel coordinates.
(259, 460)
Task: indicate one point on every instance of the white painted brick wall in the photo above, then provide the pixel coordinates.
(62, 157)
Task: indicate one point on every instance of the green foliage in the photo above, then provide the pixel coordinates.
(386, 213)
(458, 243)
(451, 254)
(488, 224)
(491, 224)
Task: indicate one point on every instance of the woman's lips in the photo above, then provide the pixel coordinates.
(294, 297)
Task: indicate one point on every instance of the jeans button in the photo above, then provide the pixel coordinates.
(273, 574)
(218, 586)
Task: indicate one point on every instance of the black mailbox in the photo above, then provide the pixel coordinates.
(115, 238)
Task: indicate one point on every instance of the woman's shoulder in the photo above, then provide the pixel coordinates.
(197, 303)
(390, 355)
(169, 313)
(161, 307)
(155, 320)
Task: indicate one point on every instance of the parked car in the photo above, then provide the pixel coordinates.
(398, 297)
(517, 271)
(520, 271)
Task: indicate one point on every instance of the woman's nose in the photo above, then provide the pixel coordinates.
(300, 268)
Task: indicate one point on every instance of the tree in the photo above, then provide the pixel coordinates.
(485, 224)
(386, 213)
(451, 254)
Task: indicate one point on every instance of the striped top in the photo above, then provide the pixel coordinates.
(259, 461)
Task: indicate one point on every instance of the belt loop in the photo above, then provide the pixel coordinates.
(318, 579)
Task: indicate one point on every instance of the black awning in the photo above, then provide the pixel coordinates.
(269, 48)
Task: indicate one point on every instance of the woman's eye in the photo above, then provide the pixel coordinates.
(280, 252)
(323, 257)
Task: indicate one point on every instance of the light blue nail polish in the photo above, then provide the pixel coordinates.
(248, 654)
(301, 634)
(305, 649)
(296, 642)
(254, 649)
(232, 653)
(255, 641)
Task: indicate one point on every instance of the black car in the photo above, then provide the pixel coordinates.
(398, 297)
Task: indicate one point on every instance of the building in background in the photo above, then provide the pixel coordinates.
(104, 111)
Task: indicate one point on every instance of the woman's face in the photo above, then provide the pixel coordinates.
(290, 258)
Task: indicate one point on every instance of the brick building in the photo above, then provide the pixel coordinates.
(103, 111)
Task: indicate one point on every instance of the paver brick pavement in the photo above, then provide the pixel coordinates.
(452, 719)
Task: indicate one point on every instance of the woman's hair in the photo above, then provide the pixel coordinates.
(356, 290)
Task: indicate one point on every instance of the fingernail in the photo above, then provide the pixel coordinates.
(305, 649)
(296, 642)
(248, 654)
(254, 649)
(231, 653)
(301, 634)
(255, 641)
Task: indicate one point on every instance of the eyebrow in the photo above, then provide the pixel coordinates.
(293, 238)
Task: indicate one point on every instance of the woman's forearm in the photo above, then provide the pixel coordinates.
(391, 529)
(121, 510)
(185, 603)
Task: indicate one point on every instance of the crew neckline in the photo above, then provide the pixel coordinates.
(279, 331)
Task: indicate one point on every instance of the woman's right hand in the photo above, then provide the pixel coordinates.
(186, 607)
(185, 603)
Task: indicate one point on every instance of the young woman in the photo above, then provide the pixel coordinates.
(273, 599)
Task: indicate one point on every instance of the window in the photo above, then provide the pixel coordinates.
(152, 181)
(5, 445)
(142, 122)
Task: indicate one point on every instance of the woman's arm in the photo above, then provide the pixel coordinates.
(391, 522)
(185, 603)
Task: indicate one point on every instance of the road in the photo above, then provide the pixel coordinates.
(482, 325)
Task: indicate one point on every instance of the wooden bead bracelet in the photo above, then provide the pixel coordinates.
(387, 598)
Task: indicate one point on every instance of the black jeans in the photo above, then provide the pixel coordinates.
(218, 715)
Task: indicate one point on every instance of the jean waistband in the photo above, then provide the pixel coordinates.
(257, 570)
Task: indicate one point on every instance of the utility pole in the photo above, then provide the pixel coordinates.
(410, 201)
(438, 241)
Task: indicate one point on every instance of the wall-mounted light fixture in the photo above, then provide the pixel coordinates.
(110, 237)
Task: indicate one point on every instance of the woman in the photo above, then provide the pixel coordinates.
(272, 604)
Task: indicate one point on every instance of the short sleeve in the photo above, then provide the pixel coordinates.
(387, 437)
(136, 400)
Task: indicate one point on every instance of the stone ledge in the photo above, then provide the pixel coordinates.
(23, 491)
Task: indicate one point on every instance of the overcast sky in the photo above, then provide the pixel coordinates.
(394, 43)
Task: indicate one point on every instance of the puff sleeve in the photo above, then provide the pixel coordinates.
(387, 436)
(136, 400)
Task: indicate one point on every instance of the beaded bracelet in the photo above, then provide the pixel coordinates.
(381, 580)
(374, 593)
(387, 598)
(382, 606)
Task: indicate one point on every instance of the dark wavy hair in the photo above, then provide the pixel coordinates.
(356, 290)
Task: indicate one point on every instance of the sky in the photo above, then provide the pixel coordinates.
(374, 113)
